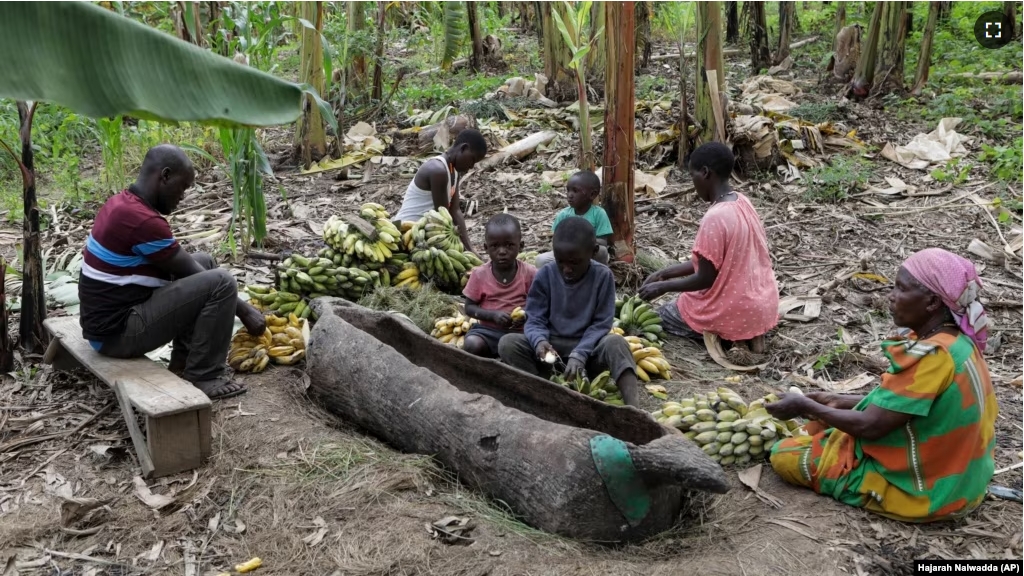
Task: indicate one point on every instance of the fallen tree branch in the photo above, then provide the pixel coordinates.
(1000, 77)
(736, 51)
(518, 150)
(455, 65)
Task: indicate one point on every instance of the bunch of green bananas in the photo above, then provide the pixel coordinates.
(320, 276)
(267, 299)
(601, 387)
(437, 251)
(436, 228)
(388, 270)
(448, 269)
(378, 247)
(637, 318)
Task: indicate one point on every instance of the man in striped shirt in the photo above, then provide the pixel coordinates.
(140, 290)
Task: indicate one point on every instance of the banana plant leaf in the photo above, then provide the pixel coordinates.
(100, 64)
(454, 32)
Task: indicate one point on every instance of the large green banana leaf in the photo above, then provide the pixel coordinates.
(100, 64)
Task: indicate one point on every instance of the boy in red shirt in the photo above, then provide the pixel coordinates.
(497, 288)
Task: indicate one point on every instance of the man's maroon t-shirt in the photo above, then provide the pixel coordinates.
(118, 271)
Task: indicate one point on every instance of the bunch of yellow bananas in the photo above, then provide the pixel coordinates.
(452, 330)
(378, 247)
(408, 277)
(650, 362)
(249, 353)
(288, 340)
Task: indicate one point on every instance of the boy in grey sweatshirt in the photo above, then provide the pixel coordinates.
(569, 311)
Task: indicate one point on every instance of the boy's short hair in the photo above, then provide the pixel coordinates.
(587, 179)
(716, 157)
(575, 231)
(503, 219)
(474, 139)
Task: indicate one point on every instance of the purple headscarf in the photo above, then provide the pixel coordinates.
(954, 279)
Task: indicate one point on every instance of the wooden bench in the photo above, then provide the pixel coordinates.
(177, 414)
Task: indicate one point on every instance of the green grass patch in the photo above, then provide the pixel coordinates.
(835, 182)
(817, 112)
(423, 306)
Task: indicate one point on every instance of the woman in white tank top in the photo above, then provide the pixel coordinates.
(436, 183)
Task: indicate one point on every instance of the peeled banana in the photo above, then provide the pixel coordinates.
(729, 430)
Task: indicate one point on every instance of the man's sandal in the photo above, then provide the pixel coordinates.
(221, 388)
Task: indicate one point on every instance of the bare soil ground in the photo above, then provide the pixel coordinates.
(308, 494)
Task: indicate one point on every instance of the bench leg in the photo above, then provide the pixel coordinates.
(58, 357)
(175, 442)
(204, 433)
(138, 440)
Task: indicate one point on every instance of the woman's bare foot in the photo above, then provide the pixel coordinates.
(756, 344)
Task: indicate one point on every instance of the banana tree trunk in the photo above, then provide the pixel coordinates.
(619, 114)
(6, 349)
(924, 60)
(356, 76)
(213, 25)
(684, 114)
(709, 59)
(33, 300)
(945, 8)
(477, 57)
(732, 23)
(864, 75)
(557, 55)
(840, 23)
(596, 63)
(1010, 15)
(760, 53)
(378, 60)
(892, 50)
(644, 11)
(310, 136)
(787, 11)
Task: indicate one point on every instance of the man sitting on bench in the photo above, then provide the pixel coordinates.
(140, 290)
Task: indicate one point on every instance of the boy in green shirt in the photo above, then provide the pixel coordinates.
(581, 189)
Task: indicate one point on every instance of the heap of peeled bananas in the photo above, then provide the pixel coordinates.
(283, 342)
(725, 427)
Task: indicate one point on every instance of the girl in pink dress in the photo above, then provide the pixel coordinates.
(727, 287)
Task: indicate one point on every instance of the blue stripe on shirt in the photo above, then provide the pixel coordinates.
(96, 345)
(110, 257)
(148, 248)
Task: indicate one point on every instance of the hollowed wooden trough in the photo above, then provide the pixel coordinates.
(563, 462)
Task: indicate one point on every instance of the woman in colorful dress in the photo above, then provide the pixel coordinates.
(918, 448)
